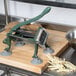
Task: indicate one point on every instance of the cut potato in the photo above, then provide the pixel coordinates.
(60, 65)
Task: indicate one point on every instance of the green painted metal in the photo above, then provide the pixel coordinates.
(8, 39)
(8, 42)
(36, 51)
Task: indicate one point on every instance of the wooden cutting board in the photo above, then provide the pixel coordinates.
(21, 56)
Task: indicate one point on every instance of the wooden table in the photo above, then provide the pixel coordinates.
(21, 56)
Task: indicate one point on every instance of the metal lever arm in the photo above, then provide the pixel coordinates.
(46, 10)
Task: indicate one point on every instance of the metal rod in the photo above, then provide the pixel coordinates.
(59, 0)
(6, 11)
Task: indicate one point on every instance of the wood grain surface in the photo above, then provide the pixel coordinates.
(21, 56)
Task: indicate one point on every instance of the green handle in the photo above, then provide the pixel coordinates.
(46, 10)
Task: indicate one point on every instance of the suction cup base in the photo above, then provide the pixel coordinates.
(48, 50)
(19, 43)
(36, 61)
(6, 53)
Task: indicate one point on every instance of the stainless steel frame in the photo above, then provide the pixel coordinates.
(6, 11)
